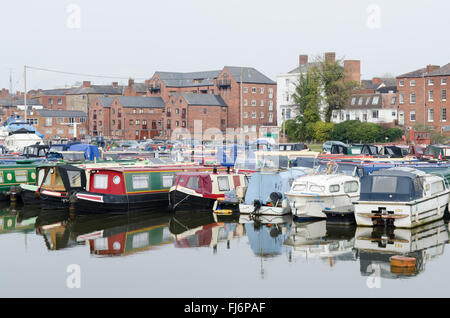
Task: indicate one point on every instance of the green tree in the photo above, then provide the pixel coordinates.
(292, 130)
(307, 97)
(337, 91)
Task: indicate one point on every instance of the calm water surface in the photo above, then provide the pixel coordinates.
(198, 254)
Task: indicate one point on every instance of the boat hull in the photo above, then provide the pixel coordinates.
(401, 214)
(100, 203)
(313, 205)
(29, 197)
(180, 200)
(264, 210)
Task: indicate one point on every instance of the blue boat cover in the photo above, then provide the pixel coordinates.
(262, 184)
(90, 151)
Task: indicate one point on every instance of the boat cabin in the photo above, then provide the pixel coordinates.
(292, 146)
(207, 183)
(439, 152)
(363, 149)
(398, 184)
(61, 178)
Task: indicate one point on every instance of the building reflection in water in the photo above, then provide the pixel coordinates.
(322, 241)
(376, 245)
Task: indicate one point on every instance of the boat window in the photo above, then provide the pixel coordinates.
(437, 187)
(351, 186)
(223, 183)
(316, 188)
(140, 181)
(74, 178)
(21, 176)
(101, 181)
(299, 187)
(193, 183)
(101, 244)
(167, 181)
(334, 188)
(1, 177)
(140, 240)
(382, 184)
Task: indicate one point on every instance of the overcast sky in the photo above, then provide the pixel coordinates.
(136, 38)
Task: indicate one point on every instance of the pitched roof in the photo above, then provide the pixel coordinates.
(141, 102)
(61, 113)
(361, 101)
(249, 75)
(96, 89)
(303, 68)
(177, 79)
(203, 99)
(106, 101)
(416, 73)
(140, 87)
(55, 92)
(442, 71)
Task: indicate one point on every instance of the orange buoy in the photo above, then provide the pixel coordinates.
(403, 264)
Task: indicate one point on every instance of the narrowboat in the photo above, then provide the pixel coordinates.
(129, 189)
(200, 190)
(266, 191)
(401, 197)
(12, 175)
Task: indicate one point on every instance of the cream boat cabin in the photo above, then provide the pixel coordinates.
(402, 197)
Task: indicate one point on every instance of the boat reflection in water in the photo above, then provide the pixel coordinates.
(319, 240)
(376, 245)
(120, 235)
(204, 229)
(266, 233)
(54, 226)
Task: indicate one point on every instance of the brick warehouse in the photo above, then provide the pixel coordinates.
(254, 101)
(422, 98)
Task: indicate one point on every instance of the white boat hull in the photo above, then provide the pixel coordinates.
(264, 210)
(309, 206)
(402, 214)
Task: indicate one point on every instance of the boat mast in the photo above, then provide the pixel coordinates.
(25, 93)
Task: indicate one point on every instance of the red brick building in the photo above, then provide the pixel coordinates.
(126, 117)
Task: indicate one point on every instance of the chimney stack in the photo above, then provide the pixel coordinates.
(303, 59)
(115, 84)
(330, 57)
(432, 68)
(130, 82)
(86, 84)
(377, 80)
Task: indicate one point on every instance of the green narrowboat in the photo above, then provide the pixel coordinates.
(120, 190)
(11, 176)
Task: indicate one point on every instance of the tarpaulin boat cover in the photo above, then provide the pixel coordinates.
(73, 178)
(90, 151)
(262, 184)
(391, 185)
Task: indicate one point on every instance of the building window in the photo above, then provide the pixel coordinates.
(412, 83)
(443, 95)
(443, 81)
(430, 114)
(412, 98)
(131, 122)
(137, 122)
(48, 121)
(253, 115)
(204, 110)
(134, 111)
(253, 102)
(270, 92)
(430, 96)
(360, 102)
(59, 101)
(353, 100)
(261, 90)
(50, 101)
(270, 117)
(245, 89)
(412, 115)
(401, 98)
(270, 105)
(261, 103)
(401, 83)
(444, 114)
(288, 113)
(177, 110)
(375, 114)
(261, 115)
(394, 114)
(245, 102)
(253, 128)
(393, 100)
(245, 128)
(177, 123)
(245, 115)
(430, 81)
(253, 90)
(375, 100)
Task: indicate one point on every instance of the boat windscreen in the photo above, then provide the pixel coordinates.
(390, 188)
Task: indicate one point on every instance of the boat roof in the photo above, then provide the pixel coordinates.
(326, 178)
(151, 168)
(400, 172)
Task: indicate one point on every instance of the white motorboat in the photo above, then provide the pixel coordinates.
(402, 197)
